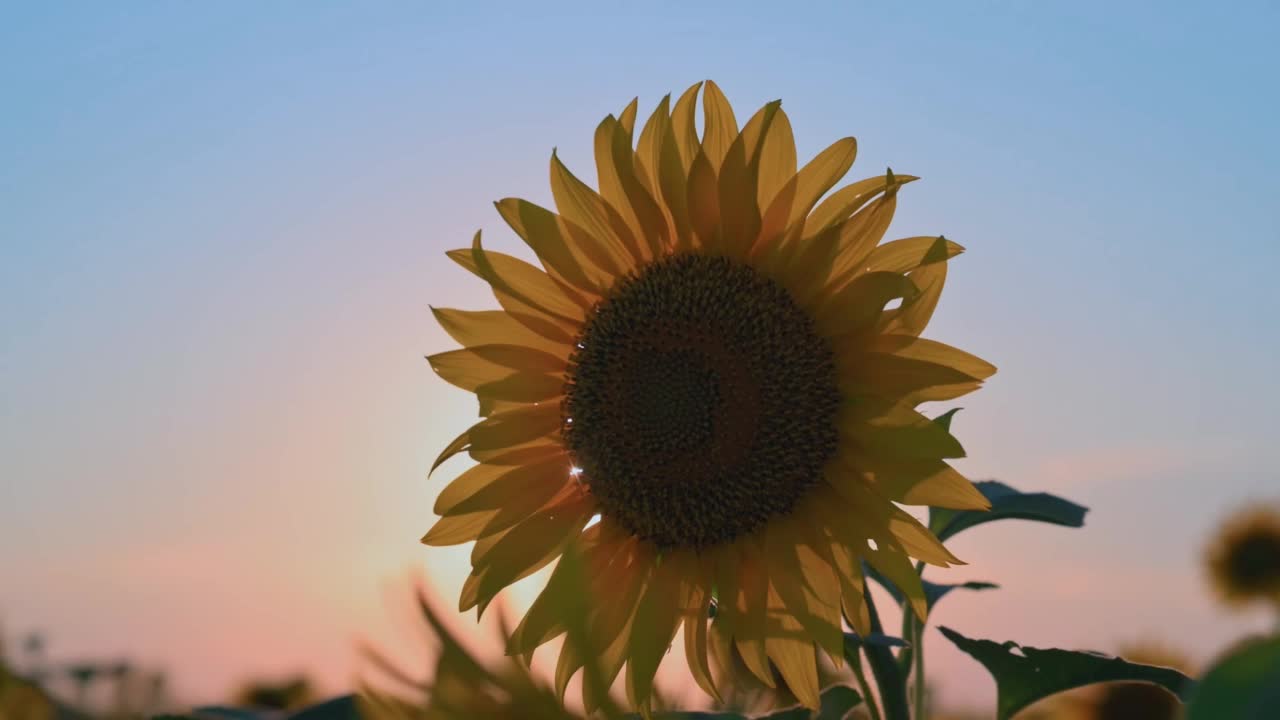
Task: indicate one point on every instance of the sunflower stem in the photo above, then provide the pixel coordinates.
(889, 678)
(917, 657)
(917, 641)
(873, 706)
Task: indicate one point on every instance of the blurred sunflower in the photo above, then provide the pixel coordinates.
(710, 362)
(1244, 557)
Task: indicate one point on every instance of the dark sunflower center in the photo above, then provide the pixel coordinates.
(700, 402)
(1255, 561)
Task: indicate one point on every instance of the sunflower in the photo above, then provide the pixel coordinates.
(1244, 558)
(709, 387)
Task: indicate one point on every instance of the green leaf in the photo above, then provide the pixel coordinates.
(1007, 503)
(339, 708)
(854, 642)
(933, 592)
(1243, 686)
(1025, 674)
(945, 418)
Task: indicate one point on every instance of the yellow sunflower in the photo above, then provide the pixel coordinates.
(1244, 558)
(721, 367)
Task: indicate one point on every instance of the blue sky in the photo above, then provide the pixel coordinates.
(221, 226)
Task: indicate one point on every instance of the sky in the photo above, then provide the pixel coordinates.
(221, 226)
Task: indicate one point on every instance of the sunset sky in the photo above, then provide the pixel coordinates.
(221, 226)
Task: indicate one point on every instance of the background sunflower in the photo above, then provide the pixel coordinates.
(1243, 559)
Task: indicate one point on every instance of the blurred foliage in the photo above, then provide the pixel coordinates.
(287, 694)
(1244, 685)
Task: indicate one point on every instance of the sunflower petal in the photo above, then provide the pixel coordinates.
(777, 160)
(859, 304)
(931, 351)
(801, 574)
(503, 431)
(457, 445)
(852, 583)
(615, 589)
(841, 204)
(570, 254)
(719, 126)
(682, 125)
(529, 546)
(886, 555)
(612, 626)
(544, 620)
(918, 541)
(704, 202)
(900, 432)
(861, 234)
(896, 566)
(615, 168)
(627, 118)
(914, 316)
(520, 286)
(673, 182)
(458, 529)
(488, 327)
(873, 373)
(582, 206)
(472, 367)
(792, 651)
(467, 484)
(749, 598)
(696, 598)
(530, 485)
(654, 628)
(794, 201)
(568, 664)
(649, 147)
(739, 214)
(925, 482)
(907, 254)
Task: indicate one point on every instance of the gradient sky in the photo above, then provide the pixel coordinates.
(221, 226)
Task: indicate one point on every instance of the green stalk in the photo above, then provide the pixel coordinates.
(917, 646)
(873, 707)
(889, 678)
(917, 641)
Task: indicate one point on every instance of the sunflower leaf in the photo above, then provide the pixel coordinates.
(945, 418)
(1007, 503)
(1244, 685)
(853, 642)
(1024, 675)
(933, 592)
